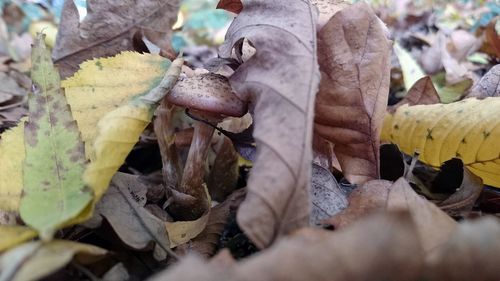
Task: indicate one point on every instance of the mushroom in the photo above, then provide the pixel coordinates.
(207, 97)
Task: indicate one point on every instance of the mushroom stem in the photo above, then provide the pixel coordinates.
(192, 182)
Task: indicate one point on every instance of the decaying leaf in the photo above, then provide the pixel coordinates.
(53, 189)
(135, 226)
(279, 81)
(354, 56)
(467, 130)
(488, 86)
(432, 225)
(110, 28)
(35, 260)
(422, 92)
(328, 8)
(90, 97)
(350, 254)
(327, 199)
(223, 177)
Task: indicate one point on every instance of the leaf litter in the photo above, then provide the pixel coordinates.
(187, 171)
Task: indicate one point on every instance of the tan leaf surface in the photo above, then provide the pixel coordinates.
(328, 8)
(354, 56)
(280, 81)
(109, 28)
(381, 247)
(488, 86)
(422, 92)
(432, 225)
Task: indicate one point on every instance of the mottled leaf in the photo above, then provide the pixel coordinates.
(111, 27)
(54, 191)
(354, 56)
(280, 81)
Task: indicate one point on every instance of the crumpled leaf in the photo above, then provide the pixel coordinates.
(433, 226)
(488, 86)
(422, 92)
(280, 81)
(53, 189)
(412, 72)
(133, 224)
(467, 130)
(327, 199)
(350, 254)
(90, 97)
(109, 28)
(354, 56)
(13, 235)
(35, 260)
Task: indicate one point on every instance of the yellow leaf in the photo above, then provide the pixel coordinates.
(13, 235)
(11, 173)
(117, 133)
(468, 129)
(35, 260)
(412, 72)
(100, 86)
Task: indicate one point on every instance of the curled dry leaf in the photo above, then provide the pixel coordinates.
(234, 6)
(350, 254)
(280, 81)
(223, 177)
(354, 55)
(422, 92)
(205, 244)
(109, 28)
(488, 86)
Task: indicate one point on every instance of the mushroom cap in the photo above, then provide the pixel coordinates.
(209, 93)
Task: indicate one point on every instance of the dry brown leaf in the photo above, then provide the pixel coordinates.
(234, 6)
(488, 86)
(465, 196)
(280, 81)
(109, 28)
(422, 92)
(472, 253)
(328, 8)
(381, 247)
(205, 244)
(223, 177)
(354, 56)
(433, 225)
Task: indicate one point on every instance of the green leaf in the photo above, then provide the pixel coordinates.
(54, 191)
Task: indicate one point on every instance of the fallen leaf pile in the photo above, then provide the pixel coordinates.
(322, 140)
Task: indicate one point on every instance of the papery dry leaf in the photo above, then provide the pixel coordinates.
(354, 56)
(422, 92)
(432, 225)
(328, 8)
(381, 247)
(280, 81)
(327, 199)
(223, 177)
(109, 28)
(465, 196)
(205, 244)
(488, 86)
(471, 253)
(462, 44)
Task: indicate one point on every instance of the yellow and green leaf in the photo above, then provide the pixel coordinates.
(53, 189)
(468, 129)
(100, 86)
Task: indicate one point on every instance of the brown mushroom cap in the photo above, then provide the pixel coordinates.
(209, 93)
